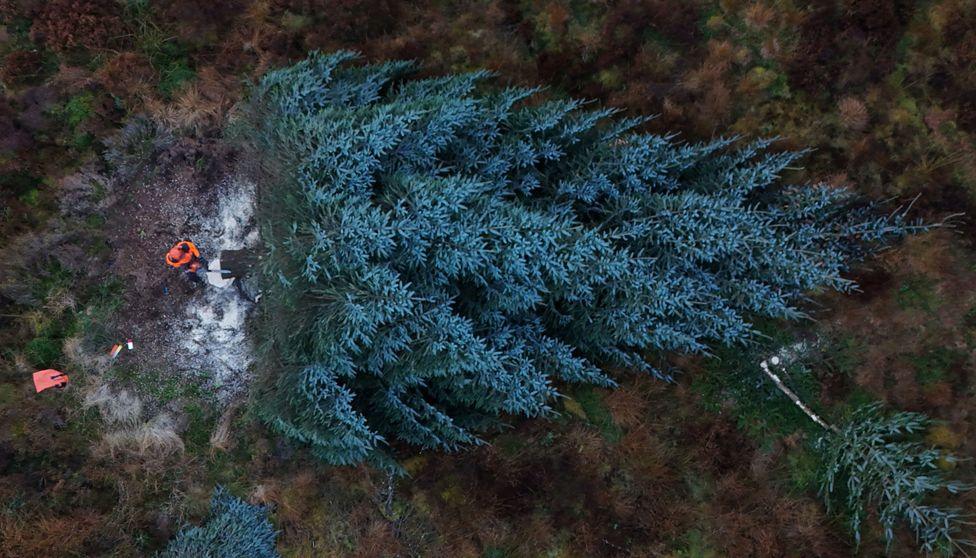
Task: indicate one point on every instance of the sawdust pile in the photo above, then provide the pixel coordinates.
(213, 330)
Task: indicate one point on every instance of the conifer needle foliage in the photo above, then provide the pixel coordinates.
(233, 529)
(872, 462)
(441, 253)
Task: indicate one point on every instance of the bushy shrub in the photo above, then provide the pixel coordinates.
(43, 351)
(13, 9)
(440, 255)
(136, 147)
(199, 23)
(67, 24)
(128, 76)
(346, 20)
(21, 66)
(234, 529)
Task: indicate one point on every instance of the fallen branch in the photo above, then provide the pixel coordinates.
(793, 397)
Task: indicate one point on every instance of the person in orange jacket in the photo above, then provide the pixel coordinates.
(185, 255)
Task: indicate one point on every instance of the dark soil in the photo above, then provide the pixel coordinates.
(148, 217)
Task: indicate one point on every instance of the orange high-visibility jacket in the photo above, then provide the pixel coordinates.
(184, 253)
(48, 379)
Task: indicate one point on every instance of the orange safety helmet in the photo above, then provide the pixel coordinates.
(46, 379)
(183, 253)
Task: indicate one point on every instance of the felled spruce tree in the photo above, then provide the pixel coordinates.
(441, 253)
(234, 529)
(872, 462)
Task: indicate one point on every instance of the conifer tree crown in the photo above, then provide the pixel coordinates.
(441, 253)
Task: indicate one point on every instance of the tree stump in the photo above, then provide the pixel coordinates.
(237, 262)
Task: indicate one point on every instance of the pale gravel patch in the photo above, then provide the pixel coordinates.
(214, 331)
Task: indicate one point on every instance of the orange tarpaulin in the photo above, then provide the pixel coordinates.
(48, 379)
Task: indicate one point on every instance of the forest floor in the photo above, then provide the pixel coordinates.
(190, 331)
(883, 92)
